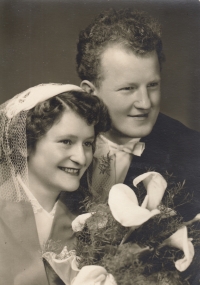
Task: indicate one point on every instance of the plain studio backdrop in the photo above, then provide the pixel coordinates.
(38, 45)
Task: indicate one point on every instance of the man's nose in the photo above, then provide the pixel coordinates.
(142, 100)
(78, 155)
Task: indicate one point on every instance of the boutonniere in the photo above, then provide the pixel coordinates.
(104, 164)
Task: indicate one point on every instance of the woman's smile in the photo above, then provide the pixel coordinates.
(62, 155)
(72, 171)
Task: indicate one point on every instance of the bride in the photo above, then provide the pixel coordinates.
(47, 140)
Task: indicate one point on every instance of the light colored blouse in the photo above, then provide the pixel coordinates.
(43, 219)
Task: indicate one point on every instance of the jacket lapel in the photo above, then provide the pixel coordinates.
(61, 232)
(156, 156)
(20, 249)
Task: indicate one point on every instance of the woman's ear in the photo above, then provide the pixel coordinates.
(28, 152)
(88, 87)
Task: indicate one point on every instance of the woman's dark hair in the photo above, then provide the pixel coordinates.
(45, 114)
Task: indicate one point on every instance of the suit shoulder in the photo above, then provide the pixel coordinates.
(175, 128)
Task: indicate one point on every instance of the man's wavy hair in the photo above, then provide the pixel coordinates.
(133, 30)
(44, 115)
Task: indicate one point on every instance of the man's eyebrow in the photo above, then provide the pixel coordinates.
(157, 77)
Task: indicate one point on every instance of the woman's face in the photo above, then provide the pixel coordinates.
(62, 155)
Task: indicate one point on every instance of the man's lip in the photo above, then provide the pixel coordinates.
(139, 115)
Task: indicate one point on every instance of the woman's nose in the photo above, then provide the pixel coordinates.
(142, 101)
(78, 155)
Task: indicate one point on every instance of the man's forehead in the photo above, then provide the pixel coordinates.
(113, 48)
(121, 55)
(114, 56)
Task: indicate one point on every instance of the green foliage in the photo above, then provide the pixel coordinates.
(143, 259)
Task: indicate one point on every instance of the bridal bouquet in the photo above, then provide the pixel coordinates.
(131, 240)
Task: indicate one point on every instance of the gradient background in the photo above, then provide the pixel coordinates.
(38, 45)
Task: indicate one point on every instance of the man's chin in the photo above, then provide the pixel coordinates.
(124, 135)
(140, 132)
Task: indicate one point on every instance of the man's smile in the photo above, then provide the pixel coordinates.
(139, 116)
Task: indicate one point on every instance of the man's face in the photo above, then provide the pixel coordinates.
(131, 90)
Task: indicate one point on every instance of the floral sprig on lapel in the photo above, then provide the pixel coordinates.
(104, 164)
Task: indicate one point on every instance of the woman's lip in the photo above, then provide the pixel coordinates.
(70, 170)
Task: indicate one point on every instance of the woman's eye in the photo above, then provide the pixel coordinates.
(88, 144)
(67, 142)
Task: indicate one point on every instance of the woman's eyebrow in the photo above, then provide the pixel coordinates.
(67, 136)
(92, 138)
(70, 136)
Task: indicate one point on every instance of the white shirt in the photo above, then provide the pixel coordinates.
(122, 158)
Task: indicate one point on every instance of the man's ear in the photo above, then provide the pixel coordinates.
(88, 87)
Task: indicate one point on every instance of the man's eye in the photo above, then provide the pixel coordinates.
(153, 84)
(67, 142)
(127, 88)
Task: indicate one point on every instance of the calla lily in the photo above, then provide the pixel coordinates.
(65, 264)
(181, 241)
(155, 185)
(196, 218)
(125, 209)
(79, 222)
(95, 275)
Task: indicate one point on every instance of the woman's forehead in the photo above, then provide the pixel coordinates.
(71, 124)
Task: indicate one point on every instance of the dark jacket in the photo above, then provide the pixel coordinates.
(172, 147)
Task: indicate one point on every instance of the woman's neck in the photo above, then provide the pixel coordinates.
(46, 197)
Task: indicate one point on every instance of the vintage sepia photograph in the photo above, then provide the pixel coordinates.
(100, 142)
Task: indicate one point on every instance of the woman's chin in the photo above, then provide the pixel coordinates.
(71, 187)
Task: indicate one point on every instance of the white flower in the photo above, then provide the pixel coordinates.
(79, 222)
(125, 209)
(181, 241)
(65, 264)
(196, 218)
(94, 275)
(155, 185)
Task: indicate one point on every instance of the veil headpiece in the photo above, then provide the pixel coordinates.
(13, 142)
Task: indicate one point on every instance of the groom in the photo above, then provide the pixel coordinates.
(120, 60)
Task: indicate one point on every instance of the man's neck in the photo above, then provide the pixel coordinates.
(117, 138)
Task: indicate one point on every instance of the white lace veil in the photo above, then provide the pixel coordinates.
(13, 143)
